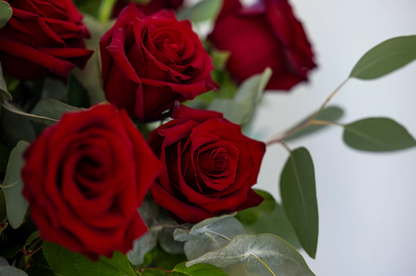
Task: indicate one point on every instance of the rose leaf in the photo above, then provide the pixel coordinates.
(378, 135)
(331, 114)
(264, 254)
(3, 87)
(385, 58)
(182, 270)
(66, 263)
(16, 204)
(208, 235)
(298, 191)
(6, 13)
(268, 217)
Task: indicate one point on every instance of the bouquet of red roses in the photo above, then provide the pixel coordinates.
(123, 148)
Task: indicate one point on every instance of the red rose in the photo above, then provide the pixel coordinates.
(149, 8)
(149, 62)
(43, 38)
(264, 35)
(84, 179)
(210, 165)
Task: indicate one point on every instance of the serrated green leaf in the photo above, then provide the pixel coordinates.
(197, 270)
(66, 263)
(377, 134)
(268, 217)
(16, 204)
(201, 11)
(331, 114)
(298, 191)
(40, 266)
(11, 271)
(385, 58)
(264, 254)
(208, 235)
(5, 13)
(231, 110)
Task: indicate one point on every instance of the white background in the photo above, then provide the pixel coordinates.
(367, 201)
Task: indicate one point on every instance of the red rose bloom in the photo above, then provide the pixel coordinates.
(149, 8)
(210, 165)
(43, 38)
(84, 179)
(151, 62)
(264, 35)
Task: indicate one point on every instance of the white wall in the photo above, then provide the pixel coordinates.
(367, 201)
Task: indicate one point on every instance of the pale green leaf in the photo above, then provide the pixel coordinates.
(6, 13)
(142, 246)
(15, 127)
(231, 110)
(11, 271)
(201, 11)
(66, 263)
(377, 134)
(298, 191)
(385, 58)
(52, 109)
(16, 204)
(264, 254)
(34, 118)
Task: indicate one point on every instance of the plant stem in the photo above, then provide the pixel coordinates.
(105, 10)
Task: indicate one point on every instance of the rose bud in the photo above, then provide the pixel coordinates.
(149, 62)
(210, 166)
(266, 34)
(84, 179)
(43, 38)
(150, 7)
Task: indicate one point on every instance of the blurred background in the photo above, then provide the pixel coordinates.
(367, 201)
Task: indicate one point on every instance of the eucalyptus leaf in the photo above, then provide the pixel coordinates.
(385, 58)
(3, 208)
(298, 191)
(54, 89)
(232, 111)
(4, 157)
(377, 134)
(16, 204)
(264, 254)
(77, 95)
(14, 128)
(331, 114)
(249, 93)
(6, 13)
(142, 246)
(208, 235)
(201, 11)
(34, 118)
(3, 262)
(3, 86)
(52, 109)
(11, 271)
(168, 243)
(66, 263)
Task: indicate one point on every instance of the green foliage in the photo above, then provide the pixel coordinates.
(11, 271)
(90, 7)
(330, 114)
(264, 254)
(77, 95)
(14, 128)
(4, 157)
(5, 13)
(242, 107)
(386, 57)
(3, 86)
(182, 270)
(268, 217)
(3, 208)
(40, 266)
(16, 204)
(66, 263)
(208, 235)
(202, 11)
(297, 188)
(157, 257)
(52, 109)
(377, 134)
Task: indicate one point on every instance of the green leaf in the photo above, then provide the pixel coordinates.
(219, 59)
(168, 243)
(66, 263)
(4, 157)
(331, 114)
(14, 128)
(16, 204)
(54, 89)
(231, 110)
(52, 109)
(264, 254)
(34, 118)
(208, 235)
(268, 217)
(3, 208)
(3, 86)
(142, 246)
(297, 188)
(202, 11)
(386, 57)
(197, 270)
(77, 95)
(40, 266)
(5, 13)
(11, 271)
(250, 91)
(377, 134)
